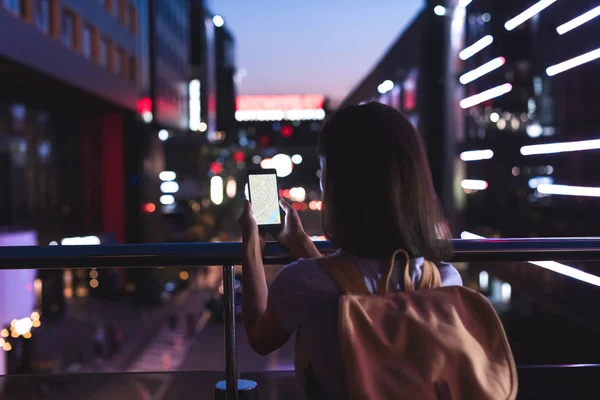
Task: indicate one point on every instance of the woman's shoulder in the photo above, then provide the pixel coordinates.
(304, 274)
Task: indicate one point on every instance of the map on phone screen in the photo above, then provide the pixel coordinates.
(265, 199)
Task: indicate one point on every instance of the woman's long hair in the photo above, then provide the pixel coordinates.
(378, 192)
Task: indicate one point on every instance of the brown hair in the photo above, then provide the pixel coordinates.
(378, 194)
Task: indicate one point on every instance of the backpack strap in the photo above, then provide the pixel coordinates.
(430, 275)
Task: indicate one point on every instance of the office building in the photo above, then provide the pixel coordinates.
(515, 95)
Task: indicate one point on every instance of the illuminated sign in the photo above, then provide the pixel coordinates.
(280, 107)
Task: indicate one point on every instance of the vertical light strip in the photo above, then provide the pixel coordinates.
(482, 70)
(464, 3)
(485, 96)
(476, 47)
(577, 22)
(551, 265)
(572, 63)
(527, 14)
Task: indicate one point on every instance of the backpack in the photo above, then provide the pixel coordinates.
(438, 343)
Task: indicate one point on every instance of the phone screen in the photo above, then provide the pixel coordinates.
(265, 199)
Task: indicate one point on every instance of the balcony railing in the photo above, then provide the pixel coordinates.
(229, 254)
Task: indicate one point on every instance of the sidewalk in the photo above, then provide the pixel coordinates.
(59, 343)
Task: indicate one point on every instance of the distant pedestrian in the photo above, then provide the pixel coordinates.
(100, 343)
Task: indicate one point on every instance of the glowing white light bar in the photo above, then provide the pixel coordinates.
(279, 115)
(565, 190)
(476, 47)
(169, 187)
(385, 86)
(564, 147)
(528, 14)
(473, 184)
(551, 265)
(572, 63)
(577, 22)
(216, 190)
(167, 199)
(476, 155)
(195, 105)
(464, 3)
(166, 176)
(483, 70)
(485, 96)
(81, 241)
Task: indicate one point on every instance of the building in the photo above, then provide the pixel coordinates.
(506, 110)
(70, 85)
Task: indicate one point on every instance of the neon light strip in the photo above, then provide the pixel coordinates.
(473, 184)
(552, 148)
(572, 63)
(565, 190)
(485, 96)
(577, 22)
(552, 265)
(464, 3)
(483, 70)
(527, 14)
(476, 47)
(476, 155)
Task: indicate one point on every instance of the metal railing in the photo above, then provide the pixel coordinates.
(230, 254)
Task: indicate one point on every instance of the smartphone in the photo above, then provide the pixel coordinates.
(263, 193)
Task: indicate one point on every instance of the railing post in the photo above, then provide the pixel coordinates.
(230, 342)
(232, 388)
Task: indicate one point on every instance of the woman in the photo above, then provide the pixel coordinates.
(378, 197)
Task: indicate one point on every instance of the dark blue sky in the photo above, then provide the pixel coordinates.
(311, 46)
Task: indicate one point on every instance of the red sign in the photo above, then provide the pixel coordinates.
(280, 102)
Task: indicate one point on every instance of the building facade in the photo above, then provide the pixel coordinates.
(508, 117)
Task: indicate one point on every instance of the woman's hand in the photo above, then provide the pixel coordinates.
(292, 235)
(251, 237)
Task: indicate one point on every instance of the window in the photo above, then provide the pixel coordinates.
(133, 69)
(42, 15)
(132, 18)
(119, 62)
(14, 6)
(68, 29)
(88, 41)
(103, 52)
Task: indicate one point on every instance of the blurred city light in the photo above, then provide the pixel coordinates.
(218, 21)
(385, 86)
(23, 326)
(485, 96)
(216, 190)
(231, 188)
(494, 117)
(184, 275)
(534, 130)
(167, 176)
(566, 190)
(551, 148)
(280, 162)
(297, 159)
(484, 280)
(169, 187)
(298, 194)
(80, 241)
(534, 183)
(473, 184)
(476, 155)
(163, 135)
(527, 14)
(576, 22)
(167, 199)
(476, 47)
(440, 10)
(506, 291)
(572, 63)
(464, 3)
(482, 70)
(195, 105)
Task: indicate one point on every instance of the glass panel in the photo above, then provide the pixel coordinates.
(88, 35)
(42, 15)
(68, 29)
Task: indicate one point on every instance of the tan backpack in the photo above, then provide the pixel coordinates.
(438, 343)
